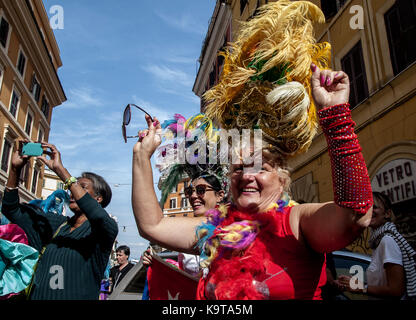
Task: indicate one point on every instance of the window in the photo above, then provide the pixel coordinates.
(45, 107)
(29, 121)
(172, 203)
(243, 4)
(24, 175)
(6, 155)
(35, 179)
(174, 189)
(21, 63)
(220, 64)
(331, 7)
(212, 78)
(59, 185)
(353, 65)
(14, 103)
(401, 33)
(35, 88)
(1, 76)
(4, 32)
(184, 203)
(40, 134)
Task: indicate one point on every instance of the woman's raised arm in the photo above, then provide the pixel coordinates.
(173, 233)
(331, 226)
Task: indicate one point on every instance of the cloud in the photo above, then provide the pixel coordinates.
(139, 244)
(167, 74)
(180, 59)
(152, 109)
(81, 98)
(185, 23)
(188, 95)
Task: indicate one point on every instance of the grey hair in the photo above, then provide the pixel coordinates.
(100, 186)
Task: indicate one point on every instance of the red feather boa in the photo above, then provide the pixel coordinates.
(233, 274)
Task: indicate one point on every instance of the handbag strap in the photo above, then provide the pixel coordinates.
(28, 290)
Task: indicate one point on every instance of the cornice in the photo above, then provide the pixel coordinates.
(40, 8)
(27, 29)
(215, 40)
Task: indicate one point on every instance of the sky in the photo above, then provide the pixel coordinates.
(114, 53)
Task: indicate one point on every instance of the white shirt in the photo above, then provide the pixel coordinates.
(190, 263)
(387, 252)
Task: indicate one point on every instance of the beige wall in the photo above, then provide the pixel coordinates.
(178, 211)
(21, 37)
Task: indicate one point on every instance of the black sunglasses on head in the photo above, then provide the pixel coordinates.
(127, 118)
(199, 189)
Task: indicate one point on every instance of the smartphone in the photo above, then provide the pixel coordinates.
(32, 149)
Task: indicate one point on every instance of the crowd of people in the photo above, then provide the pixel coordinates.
(247, 238)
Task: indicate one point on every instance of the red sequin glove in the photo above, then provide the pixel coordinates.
(351, 184)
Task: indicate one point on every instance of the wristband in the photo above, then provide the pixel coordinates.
(11, 189)
(351, 184)
(69, 182)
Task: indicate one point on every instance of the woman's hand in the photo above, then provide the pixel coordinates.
(345, 284)
(18, 160)
(329, 88)
(149, 139)
(147, 258)
(55, 162)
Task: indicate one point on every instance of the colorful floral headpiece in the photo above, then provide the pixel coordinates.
(180, 132)
(265, 81)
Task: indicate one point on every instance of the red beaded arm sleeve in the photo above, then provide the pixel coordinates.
(351, 184)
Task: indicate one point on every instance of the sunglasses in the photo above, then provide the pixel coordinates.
(199, 189)
(127, 118)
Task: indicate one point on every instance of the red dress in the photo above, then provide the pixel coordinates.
(275, 266)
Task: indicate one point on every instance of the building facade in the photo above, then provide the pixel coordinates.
(51, 183)
(373, 42)
(177, 204)
(29, 86)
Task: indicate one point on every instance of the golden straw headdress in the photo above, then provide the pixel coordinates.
(265, 82)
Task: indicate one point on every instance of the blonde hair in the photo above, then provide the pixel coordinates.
(277, 161)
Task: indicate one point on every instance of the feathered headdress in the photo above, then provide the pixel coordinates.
(265, 83)
(180, 135)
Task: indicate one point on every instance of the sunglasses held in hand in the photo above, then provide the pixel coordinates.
(127, 118)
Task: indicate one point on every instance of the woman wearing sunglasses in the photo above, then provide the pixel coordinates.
(263, 245)
(206, 191)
